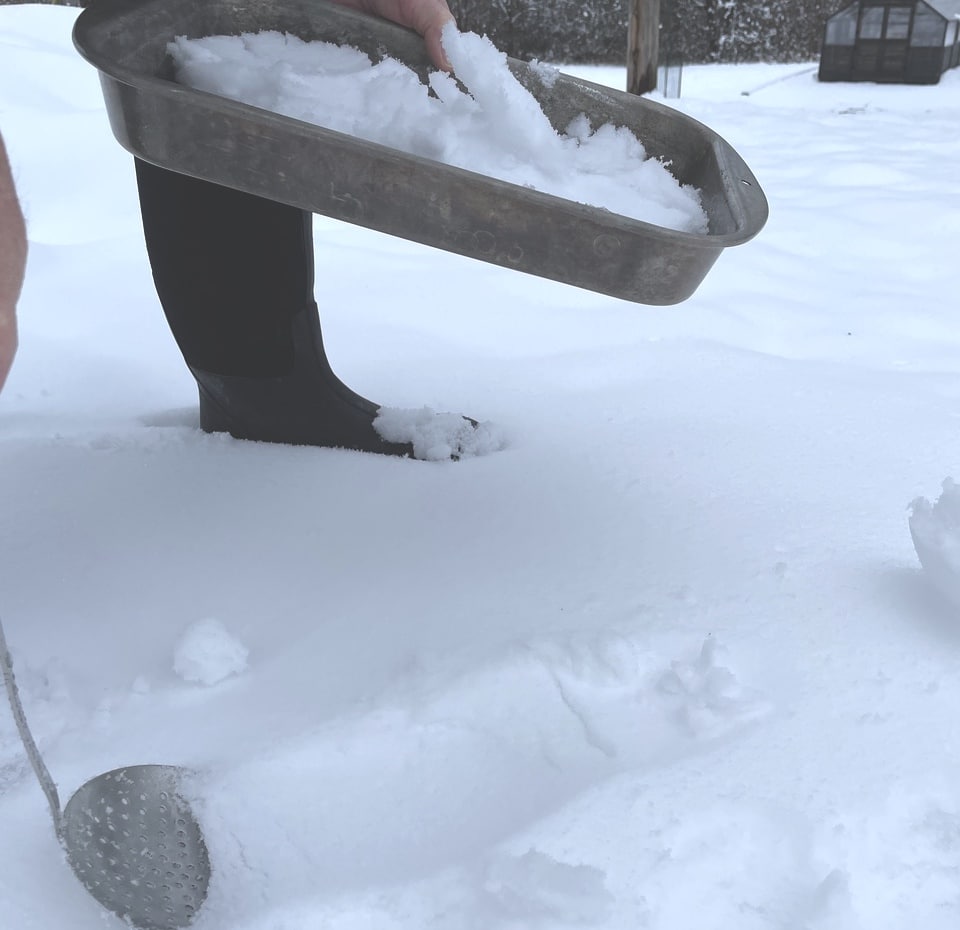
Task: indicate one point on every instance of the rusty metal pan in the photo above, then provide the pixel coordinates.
(337, 175)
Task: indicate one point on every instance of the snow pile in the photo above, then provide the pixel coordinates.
(438, 437)
(935, 529)
(498, 129)
(547, 74)
(207, 653)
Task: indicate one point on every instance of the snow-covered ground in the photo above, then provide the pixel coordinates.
(669, 661)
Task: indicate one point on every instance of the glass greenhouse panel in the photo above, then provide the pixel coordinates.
(871, 22)
(898, 22)
(929, 27)
(842, 27)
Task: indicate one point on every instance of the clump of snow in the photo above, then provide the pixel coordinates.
(497, 129)
(546, 73)
(438, 437)
(507, 114)
(935, 529)
(207, 653)
(537, 887)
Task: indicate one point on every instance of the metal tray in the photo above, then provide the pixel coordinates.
(372, 185)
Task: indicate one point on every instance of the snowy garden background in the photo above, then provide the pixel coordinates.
(668, 661)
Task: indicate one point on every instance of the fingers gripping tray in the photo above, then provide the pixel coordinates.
(337, 175)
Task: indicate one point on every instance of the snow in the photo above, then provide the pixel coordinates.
(437, 437)
(668, 660)
(935, 529)
(497, 129)
(207, 653)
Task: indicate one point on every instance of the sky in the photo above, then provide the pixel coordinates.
(668, 660)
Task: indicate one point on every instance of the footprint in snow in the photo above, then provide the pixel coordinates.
(706, 695)
(629, 699)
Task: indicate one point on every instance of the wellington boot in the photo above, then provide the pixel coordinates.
(309, 406)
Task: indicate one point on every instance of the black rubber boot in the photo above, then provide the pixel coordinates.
(235, 277)
(309, 406)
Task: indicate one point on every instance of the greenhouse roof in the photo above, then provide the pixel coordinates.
(946, 8)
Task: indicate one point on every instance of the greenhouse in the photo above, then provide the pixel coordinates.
(900, 41)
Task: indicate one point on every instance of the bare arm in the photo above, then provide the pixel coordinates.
(13, 259)
(428, 17)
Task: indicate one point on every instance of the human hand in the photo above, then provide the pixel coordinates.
(13, 256)
(428, 17)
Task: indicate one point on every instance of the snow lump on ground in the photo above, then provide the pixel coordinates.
(438, 437)
(935, 529)
(207, 653)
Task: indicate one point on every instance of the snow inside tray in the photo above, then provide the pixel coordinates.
(498, 129)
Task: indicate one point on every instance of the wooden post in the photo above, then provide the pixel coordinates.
(643, 46)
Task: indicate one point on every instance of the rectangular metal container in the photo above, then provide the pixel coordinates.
(338, 175)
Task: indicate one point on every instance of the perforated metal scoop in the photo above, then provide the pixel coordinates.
(129, 835)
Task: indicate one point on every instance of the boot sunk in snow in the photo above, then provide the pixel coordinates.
(308, 406)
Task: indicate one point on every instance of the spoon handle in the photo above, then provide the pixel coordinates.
(26, 737)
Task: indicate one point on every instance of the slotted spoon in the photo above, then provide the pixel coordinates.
(129, 835)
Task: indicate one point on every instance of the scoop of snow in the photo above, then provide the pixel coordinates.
(207, 653)
(497, 128)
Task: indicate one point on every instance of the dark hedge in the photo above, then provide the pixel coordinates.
(580, 31)
(693, 31)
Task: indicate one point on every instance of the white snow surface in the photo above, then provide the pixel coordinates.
(497, 129)
(668, 661)
(207, 653)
